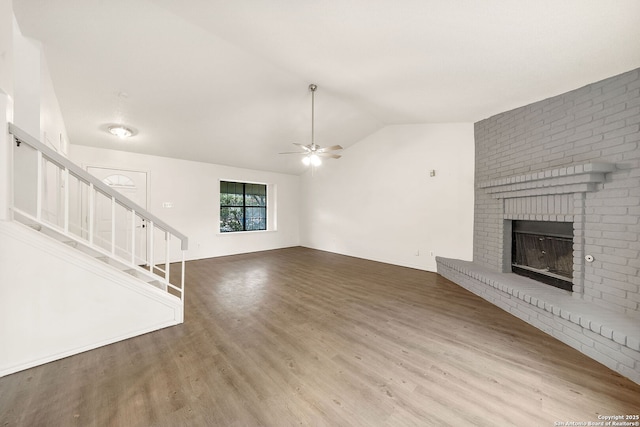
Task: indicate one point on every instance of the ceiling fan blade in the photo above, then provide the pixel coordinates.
(333, 156)
(293, 152)
(306, 148)
(332, 148)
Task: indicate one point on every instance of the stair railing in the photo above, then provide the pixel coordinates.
(75, 213)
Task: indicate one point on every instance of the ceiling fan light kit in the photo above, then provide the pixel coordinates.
(312, 159)
(313, 152)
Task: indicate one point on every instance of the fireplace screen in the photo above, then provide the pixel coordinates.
(543, 250)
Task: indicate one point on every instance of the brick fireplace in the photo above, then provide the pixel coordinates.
(553, 195)
(571, 158)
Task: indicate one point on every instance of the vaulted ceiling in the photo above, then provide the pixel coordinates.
(227, 81)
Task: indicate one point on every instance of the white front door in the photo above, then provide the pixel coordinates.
(133, 185)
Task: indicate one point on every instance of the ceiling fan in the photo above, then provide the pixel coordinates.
(313, 152)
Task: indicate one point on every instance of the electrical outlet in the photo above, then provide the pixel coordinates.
(431, 253)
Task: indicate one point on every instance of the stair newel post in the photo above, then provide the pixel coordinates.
(182, 278)
(167, 239)
(133, 237)
(151, 229)
(92, 207)
(39, 178)
(66, 199)
(113, 225)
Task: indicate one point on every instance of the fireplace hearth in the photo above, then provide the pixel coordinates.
(543, 251)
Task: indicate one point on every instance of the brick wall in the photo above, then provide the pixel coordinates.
(596, 123)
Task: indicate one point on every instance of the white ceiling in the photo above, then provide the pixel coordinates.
(227, 81)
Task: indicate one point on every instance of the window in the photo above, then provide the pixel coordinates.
(119, 181)
(243, 206)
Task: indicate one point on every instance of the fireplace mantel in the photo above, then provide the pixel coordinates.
(567, 180)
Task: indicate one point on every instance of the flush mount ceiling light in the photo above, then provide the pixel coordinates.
(313, 152)
(121, 131)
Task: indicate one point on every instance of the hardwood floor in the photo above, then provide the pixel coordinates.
(304, 337)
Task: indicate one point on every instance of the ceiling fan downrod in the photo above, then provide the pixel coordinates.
(313, 88)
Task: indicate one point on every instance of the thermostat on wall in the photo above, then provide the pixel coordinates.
(167, 204)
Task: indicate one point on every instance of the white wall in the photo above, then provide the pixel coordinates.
(6, 46)
(6, 102)
(26, 82)
(193, 188)
(35, 109)
(379, 202)
(52, 128)
(26, 115)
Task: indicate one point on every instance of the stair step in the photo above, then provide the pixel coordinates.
(140, 275)
(114, 263)
(87, 250)
(158, 284)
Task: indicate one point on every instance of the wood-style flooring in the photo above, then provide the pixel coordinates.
(303, 337)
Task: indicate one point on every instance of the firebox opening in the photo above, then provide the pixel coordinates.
(543, 251)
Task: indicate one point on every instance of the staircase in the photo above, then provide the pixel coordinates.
(88, 265)
(142, 273)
